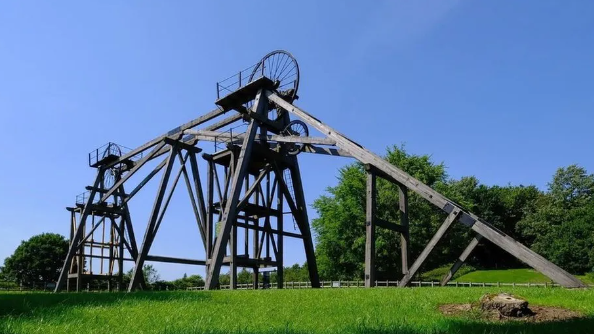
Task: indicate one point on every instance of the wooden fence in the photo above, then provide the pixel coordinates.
(361, 284)
(9, 286)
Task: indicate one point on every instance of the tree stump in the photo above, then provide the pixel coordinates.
(506, 304)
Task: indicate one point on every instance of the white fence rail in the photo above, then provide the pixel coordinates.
(361, 284)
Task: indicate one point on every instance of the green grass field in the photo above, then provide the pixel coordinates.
(377, 311)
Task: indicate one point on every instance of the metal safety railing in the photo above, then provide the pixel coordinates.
(83, 198)
(229, 136)
(110, 150)
(238, 80)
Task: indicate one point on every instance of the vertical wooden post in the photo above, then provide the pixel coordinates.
(233, 233)
(74, 260)
(370, 230)
(209, 211)
(121, 255)
(280, 228)
(233, 257)
(404, 236)
(255, 241)
(246, 241)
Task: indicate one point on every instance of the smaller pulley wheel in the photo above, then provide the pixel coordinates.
(295, 128)
(109, 178)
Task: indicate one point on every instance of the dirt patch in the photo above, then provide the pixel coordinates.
(539, 313)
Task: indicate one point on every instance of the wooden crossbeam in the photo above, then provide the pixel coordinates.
(390, 226)
(226, 136)
(178, 130)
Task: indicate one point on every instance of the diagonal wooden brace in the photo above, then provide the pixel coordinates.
(460, 260)
(430, 246)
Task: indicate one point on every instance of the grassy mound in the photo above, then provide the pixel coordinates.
(510, 276)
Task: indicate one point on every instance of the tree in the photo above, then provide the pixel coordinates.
(340, 228)
(37, 260)
(296, 273)
(244, 277)
(150, 274)
(561, 227)
(194, 280)
(503, 207)
(224, 279)
(572, 187)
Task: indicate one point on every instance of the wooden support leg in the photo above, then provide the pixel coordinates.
(438, 235)
(370, 231)
(233, 257)
(78, 235)
(121, 255)
(404, 236)
(280, 244)
(209, 211)
(197, 208)
(230, 211)
(303, 223)
(256, 239)
(149, 234)
(460, 261)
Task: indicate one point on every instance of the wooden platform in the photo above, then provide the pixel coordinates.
(99, 210)
(244, 94)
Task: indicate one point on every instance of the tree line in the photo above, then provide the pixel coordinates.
(557, 222)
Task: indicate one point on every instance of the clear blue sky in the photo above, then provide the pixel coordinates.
(502, 90)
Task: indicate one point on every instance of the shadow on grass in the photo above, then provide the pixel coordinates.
(579, 326)
(27, 304)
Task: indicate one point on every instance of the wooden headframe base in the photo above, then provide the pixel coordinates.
(244, 205)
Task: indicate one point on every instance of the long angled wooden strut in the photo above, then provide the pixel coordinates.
(230, 211)
(395, 174)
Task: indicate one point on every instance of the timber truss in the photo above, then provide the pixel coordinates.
(240, 213)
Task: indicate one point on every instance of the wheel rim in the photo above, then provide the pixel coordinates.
(278, 66)
(295, 128)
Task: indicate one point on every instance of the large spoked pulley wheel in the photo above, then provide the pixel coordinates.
(295, 128)
(109, 175)
(282, 68)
